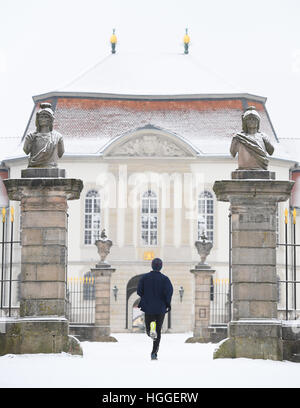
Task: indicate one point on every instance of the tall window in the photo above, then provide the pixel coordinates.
(149, 218)
(206, 215)
(92, 217)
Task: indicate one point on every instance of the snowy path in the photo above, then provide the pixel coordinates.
(127, 364)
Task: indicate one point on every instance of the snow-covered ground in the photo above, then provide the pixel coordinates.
(127, 364)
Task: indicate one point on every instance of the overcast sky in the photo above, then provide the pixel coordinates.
(253, 44)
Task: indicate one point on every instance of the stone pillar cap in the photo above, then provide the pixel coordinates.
(18, 188)
(273, 190)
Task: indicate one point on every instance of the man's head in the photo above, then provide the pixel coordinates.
(157, 264)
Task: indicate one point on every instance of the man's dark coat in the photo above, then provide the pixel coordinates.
(155, 290)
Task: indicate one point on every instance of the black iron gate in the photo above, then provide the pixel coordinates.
(10, 270)
(220, 291)
(81, 300)
(289, 284)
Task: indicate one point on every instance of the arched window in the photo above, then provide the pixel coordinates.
(206, 215)
(92, 217)
(149, 218)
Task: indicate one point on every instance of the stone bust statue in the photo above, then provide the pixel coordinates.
(251, 145)
(45, 145)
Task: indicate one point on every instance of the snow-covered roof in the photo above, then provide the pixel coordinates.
(208, 123)
(88, 124)
(151, 74)
(125, 92)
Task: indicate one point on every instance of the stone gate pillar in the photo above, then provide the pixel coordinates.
(203, 275)
(101, 331)
(42, 326)
(255, 331)
(102, 272)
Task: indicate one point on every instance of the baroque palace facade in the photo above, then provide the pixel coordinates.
(148, 164)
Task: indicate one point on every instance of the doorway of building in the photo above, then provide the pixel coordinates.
(138, 318)
(130, 290)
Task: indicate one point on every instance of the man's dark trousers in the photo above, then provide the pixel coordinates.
(159, 319)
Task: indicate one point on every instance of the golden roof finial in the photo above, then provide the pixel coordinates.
(186, 42)
(113, 41)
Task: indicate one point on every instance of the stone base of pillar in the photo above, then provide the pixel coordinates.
(102, 334)
(291, 340)
(257, 339)
(37, 335)
(92, 333)
(213, 335)
(202, 335)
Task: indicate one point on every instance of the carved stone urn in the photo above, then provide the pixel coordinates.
(103, 245)
(203, 247)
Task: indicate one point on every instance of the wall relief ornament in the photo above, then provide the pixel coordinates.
(149, 146)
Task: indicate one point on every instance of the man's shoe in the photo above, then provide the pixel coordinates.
(153, 333)
(153, 356)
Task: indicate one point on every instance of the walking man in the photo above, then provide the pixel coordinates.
(155, 290)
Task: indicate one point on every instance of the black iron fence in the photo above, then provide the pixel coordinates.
(81, 300)
(219, 302)
(288, 303)
(10, 270)
(220, 290)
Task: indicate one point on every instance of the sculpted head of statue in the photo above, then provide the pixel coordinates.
(44, 117)
(250, 120)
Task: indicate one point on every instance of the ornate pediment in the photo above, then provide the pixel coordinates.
(149, 146)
